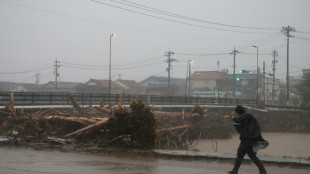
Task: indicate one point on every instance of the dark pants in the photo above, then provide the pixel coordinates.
(247, 149)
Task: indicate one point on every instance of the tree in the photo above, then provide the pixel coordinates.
(304, 89)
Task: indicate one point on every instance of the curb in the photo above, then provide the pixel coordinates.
(182, 154)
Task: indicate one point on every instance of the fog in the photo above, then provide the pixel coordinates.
(77, 32)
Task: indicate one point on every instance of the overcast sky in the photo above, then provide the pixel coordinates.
(77, 32)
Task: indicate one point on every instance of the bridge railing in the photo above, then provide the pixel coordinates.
(41, 98)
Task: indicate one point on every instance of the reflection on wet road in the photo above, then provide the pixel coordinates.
(28, 161)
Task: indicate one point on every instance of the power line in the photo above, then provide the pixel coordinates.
(100, 22)
(175, 21)
(29, 71)
(302, 46)
(305, 32)
(115, 68)
(262, 41)
(262, 54)
(302, 38)
(154, 59)
(145, 76)
(192, 54)
(150, 9)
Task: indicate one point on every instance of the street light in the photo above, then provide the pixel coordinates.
(256, 73)
(226, 72)
(110, 64)
(189, 77)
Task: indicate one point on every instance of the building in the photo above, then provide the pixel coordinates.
(206, 83)
(99, 86)
(7, 86)
(131, 86)
(221, 84)
(26, 87)
(304, 71)
(294, 97)
(62, 87)
(268, 87)
(246, 85)
(19, 87)
(158, 85)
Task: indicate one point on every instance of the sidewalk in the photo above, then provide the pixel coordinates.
(183, 154)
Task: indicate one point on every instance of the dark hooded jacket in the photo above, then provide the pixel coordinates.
(247, 126)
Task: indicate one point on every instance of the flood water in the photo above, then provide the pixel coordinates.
(288, 145)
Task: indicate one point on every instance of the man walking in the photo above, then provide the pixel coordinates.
(250, 136)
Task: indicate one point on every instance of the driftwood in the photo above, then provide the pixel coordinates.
(101, 103)
(76, 105)
(88, 128)
(120, 104)
(134, 126)
(174, 114)
(104, 110)
(179, 130)
(37, 114)
(12, 110)
(173, 128)
(12, 98)
(75, 119)
(5, 113)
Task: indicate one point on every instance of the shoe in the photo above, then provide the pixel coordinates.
(232, 172)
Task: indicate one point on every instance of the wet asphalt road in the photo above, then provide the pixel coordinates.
(29, 161)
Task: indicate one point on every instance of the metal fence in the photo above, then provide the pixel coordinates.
(36, 98)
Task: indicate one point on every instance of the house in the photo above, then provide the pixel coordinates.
(99, 86)
(304, 71)
(221, 84)
(6, 86)
(62, 87)
(246, 84)
(19, 87)
(131, 86)
(205, 83)
(26, 87)
(158, 85)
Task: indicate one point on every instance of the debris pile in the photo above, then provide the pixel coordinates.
(134, 126)
(179, 130)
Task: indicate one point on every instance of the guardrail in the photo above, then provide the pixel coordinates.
(39, 98)
(278, 107)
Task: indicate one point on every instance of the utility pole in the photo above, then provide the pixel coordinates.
(186, 77)
(37, 76)
(264, 80)
(56, 74)
(274, 53)
(226, 83)
(234, 80)
(218, 66)
(286, 31)
(189, 77)
(169, 60)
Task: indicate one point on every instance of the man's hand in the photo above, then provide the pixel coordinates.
(233, 114)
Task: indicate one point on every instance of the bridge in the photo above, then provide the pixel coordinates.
(41, 98)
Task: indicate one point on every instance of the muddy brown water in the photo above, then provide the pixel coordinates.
(287, 145)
